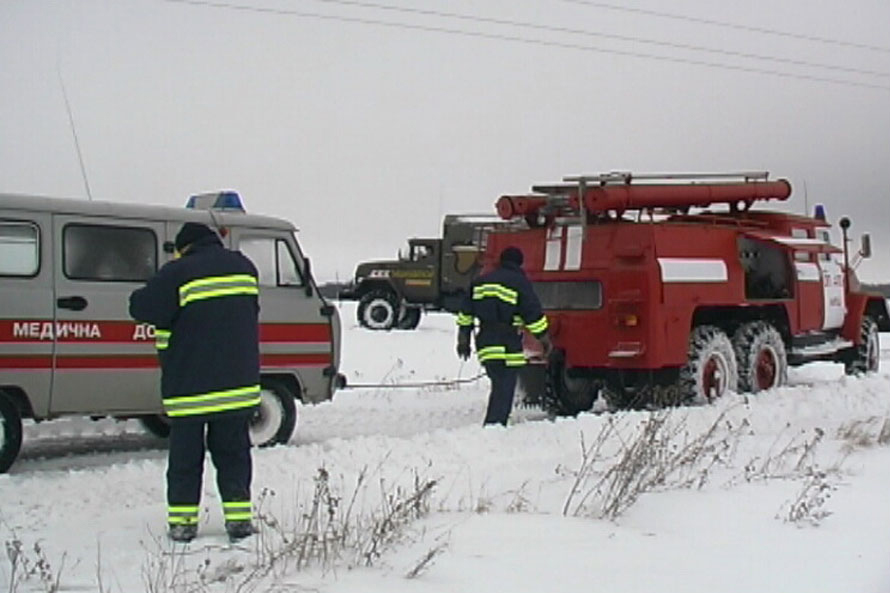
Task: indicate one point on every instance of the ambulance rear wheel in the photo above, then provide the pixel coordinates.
(10, 432)
(275, 418)
(156, 424)
(711, 370)
(760, 353)
(378, 310)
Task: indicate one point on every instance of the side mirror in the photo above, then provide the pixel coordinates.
(169, 247)
(865, 246)
(307, 276)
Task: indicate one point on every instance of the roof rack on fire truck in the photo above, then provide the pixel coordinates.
(617, 191)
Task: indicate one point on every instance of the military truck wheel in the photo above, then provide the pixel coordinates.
(866, 356)
(378, 310)
(156, 424)
(276, 416)
(711, 369)
(760, 354)
(10, 432)
(410, 318)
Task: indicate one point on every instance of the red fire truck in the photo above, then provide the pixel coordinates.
(668, 289)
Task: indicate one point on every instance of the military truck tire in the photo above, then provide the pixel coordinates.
(761, 358)
(410, 318)
(10, 432)
(156, 424)
(276, 416)
(866, 356)
(378, 310)
(711, 369)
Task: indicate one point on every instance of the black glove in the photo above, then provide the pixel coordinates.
(463, 345)
(547, 344)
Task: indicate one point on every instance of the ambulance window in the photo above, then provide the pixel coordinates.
(19, 249)
(578, 295)
(109, 253)
(273, 260)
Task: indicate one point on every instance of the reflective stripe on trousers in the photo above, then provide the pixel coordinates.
(214, 401)
(239, 510)
(182, 514)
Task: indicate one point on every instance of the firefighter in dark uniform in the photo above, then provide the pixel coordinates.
(503, 301)
(204, 306)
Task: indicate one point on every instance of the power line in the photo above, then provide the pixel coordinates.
(730, 25)
(526, 41)
(591, 33)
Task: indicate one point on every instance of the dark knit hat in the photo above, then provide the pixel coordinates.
(191, 232)
(511, 255)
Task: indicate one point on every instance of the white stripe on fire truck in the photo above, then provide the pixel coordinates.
(679, 269)
(553, 251)
(573, 248)
(808, 272)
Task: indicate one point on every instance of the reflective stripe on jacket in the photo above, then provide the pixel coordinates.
(205, 308)
(503, 301)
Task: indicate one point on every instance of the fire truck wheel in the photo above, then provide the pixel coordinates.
(711, 369)
(156, 424)
(410, 318)
(276, 416)
(866, 356)
(378, 310)
(760, 353)
(10, 432)
(574, 394)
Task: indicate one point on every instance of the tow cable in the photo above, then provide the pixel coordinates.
(413, 384)
(417, 384)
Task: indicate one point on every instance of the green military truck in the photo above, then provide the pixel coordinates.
(433, 275)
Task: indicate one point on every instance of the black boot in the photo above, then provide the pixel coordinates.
(183, 533)
(238, 530)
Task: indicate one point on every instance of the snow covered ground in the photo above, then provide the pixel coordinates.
(785, 491)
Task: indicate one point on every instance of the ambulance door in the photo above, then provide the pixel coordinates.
(295, 333)
(105, 362)
(26, 291)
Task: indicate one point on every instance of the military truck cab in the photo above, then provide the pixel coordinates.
(432, 275)
(67, 343)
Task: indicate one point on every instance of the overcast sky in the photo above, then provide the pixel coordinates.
(364, 133)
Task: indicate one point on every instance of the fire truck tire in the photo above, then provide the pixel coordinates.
(711, 370)
(275, 418)
(378, 310)
(761, 358)
(866, 356)
(156, 424)
(573, 394)
(10, 432)
(410, 318)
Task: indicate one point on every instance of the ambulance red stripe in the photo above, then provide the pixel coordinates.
(44, 362)
(124, 332)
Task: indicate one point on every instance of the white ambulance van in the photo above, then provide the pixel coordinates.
(69, 347)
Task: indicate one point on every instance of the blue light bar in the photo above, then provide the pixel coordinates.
(819, 212)
(223, 200)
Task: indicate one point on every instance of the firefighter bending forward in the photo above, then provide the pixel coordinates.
(503, 301)
(204, 306)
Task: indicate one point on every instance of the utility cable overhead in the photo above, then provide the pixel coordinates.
(602, 34)
(525, 41)
(729, 25)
